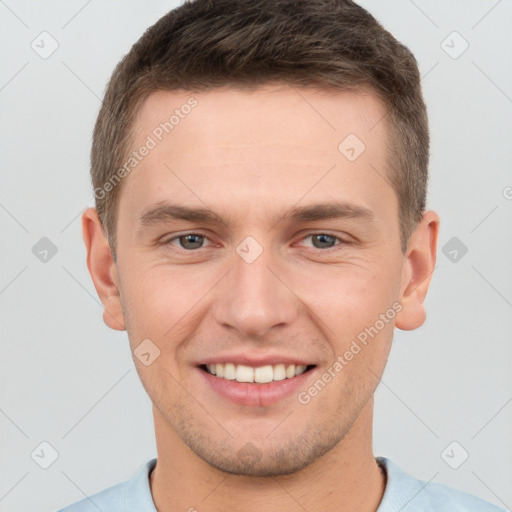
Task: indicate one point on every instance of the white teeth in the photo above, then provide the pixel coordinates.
(244, 373)
(261, 374)
(230, 371)
(264, 374)
(300, 369)
(279, 372)
(290, 371)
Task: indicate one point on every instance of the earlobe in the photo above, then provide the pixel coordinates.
(417, 270)
(103, 269)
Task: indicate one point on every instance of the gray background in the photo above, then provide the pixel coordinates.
(69, 380)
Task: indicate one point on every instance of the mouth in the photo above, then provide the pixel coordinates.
(255, 375)
(256, 386)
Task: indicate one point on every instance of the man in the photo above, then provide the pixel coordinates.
(260, 173)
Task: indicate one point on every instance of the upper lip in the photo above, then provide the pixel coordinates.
(255, 360)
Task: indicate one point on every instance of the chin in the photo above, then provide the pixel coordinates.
(250, 460)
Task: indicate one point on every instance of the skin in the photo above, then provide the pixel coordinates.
(250, 157)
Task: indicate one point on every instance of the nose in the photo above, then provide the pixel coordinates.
(255, 297)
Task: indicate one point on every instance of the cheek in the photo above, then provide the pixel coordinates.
(349, 303)
(165, 304)
(350, 298)
(157, 295)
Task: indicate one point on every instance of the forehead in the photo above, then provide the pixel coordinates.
(229, 115)
(274, 144)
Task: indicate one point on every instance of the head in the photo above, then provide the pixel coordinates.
(297, 134)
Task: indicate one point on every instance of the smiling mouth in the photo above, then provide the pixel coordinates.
(256, 375)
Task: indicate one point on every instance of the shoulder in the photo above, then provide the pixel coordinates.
(133, 494)
(408, 494)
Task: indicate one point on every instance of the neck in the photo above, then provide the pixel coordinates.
(346, 478)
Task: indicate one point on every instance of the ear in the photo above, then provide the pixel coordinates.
(418, 266)
(103, 269)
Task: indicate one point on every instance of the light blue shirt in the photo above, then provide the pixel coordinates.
(403, 493)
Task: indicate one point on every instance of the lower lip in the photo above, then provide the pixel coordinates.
(253, 394)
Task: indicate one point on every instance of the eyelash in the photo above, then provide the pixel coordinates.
(327, 233)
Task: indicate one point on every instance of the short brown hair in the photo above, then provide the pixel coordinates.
(204, 44)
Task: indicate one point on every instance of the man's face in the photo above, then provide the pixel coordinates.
(262, 287)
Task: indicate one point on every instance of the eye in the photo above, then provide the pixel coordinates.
(188, 241)
(324, 240)
(193, 241)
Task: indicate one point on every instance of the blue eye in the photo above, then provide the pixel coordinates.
(325, 241)
(194, 241)
(189, 241)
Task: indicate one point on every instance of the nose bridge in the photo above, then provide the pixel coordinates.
(252, 298)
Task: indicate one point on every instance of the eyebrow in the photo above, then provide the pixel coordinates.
(164, 212)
